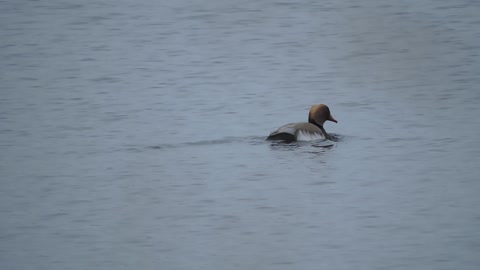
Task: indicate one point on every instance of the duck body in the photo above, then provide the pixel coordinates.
(298, 132)
(311, 130)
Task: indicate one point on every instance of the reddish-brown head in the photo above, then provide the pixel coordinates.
(319, 114)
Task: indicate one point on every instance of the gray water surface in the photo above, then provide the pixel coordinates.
(132, 135)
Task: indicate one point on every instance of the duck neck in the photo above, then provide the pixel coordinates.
(311, 121)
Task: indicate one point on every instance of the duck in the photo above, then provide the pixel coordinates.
(313, 129)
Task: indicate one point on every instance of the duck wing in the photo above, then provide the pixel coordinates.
(283, 133)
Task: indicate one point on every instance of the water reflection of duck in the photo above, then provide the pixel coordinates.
(305, 131)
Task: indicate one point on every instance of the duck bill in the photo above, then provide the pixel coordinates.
(330, 118)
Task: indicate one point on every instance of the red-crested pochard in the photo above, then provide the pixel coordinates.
(312, 130)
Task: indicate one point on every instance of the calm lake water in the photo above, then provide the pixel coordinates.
(132, 135)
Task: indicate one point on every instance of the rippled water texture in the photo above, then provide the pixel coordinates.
(132, 135)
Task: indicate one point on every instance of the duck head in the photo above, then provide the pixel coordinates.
(319, 114)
